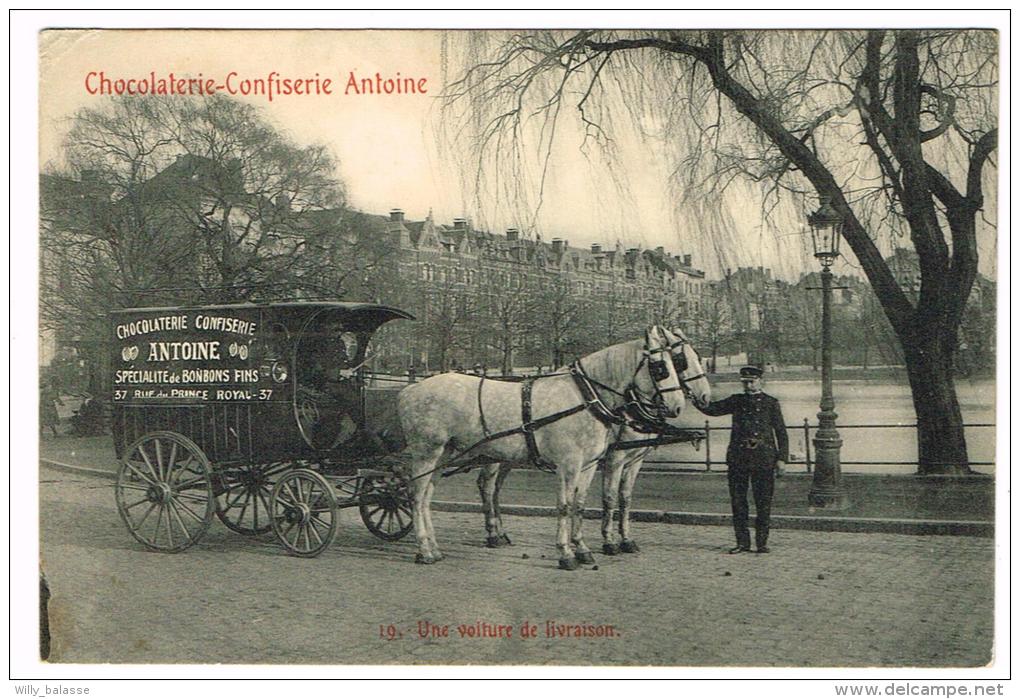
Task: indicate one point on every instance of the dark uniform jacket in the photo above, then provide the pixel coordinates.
(758, 435)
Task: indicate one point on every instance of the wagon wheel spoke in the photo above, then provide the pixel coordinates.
(314, 532)
(184, 485)
(160, 462)
(138, 473)
(232, 503)
(145, 516)
(255, 510)
(318, 520)
(159, 524)
(400, 520)
(132, 486)
(288, 530)
(172, 509)
(188, 510)
(136, 503)
(294, 499)
(276, 469)
(148, 462)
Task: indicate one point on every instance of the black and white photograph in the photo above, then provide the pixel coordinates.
(603, 349)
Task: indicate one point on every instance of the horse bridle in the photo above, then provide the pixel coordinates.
(680, 365)
(649, 410)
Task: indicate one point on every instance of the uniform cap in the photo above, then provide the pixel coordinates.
(750, 372)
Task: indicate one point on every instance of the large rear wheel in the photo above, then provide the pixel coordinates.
(305, 513)
(164, 491)
(243, 496)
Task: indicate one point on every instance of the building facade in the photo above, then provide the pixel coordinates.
(513, 281)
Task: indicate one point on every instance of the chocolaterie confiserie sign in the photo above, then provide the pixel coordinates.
(200, 355)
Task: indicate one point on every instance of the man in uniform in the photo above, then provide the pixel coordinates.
(759, 446)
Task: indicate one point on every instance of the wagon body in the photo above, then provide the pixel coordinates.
(257, 414)
(247, 383)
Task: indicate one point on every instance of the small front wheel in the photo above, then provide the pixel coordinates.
(385, 506)
(304, 513)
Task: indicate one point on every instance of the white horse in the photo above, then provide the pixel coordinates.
(569, 419)
(620, 467)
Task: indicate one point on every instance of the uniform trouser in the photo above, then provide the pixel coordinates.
(762, 480)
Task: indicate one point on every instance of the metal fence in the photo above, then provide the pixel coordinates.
(380, 380)
(808, 462)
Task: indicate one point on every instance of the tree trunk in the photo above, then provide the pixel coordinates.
(941, 443)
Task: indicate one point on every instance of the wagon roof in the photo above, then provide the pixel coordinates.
(380, 313)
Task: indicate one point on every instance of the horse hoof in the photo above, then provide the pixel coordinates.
(506, 540)
(495, 542)
(422, 559)
(611, 549)
(629, 546)
(568, 564)
(585, 558)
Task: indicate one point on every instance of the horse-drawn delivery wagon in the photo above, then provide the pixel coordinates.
(252, 413)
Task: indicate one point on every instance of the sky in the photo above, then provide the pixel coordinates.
(387, 146)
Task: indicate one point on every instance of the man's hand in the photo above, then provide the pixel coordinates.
(780, 467)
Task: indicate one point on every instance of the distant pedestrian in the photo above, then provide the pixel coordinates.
(49, 399)
(759, 446)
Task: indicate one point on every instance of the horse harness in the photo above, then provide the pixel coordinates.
(634, 413)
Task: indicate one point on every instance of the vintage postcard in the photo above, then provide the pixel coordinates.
(521, 347)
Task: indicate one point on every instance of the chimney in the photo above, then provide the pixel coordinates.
(396, 215)
(687, 262)
(661, 250)
(511, 234)
(557, 245)
(460, 224)
(596, 248)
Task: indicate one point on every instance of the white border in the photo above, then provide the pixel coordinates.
(23, 333)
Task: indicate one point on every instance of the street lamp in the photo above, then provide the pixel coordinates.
(827, 486)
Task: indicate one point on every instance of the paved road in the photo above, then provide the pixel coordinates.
(818, 600)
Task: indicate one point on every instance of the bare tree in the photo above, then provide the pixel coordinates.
(177, 200)
(561, 316)
(894, 128)
(713, 325)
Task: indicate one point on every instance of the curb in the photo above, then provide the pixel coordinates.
(862, 525)
(915, 527)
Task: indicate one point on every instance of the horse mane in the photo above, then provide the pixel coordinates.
(615, 365)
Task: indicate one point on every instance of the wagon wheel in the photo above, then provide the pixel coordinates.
(164, 491)
(305, 513)
(243, 498)
(385, 507)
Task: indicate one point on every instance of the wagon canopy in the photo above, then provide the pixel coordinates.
(244, 380)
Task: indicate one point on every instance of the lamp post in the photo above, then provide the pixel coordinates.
(827, 486)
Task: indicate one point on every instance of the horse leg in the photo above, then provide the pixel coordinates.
(437, 555)
(628, 545)
(567, 479)
(504, 471)
(487, 484)
(422, 467)
(612, 469)
(583, 553)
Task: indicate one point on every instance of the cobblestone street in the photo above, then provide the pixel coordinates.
(820, 599)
